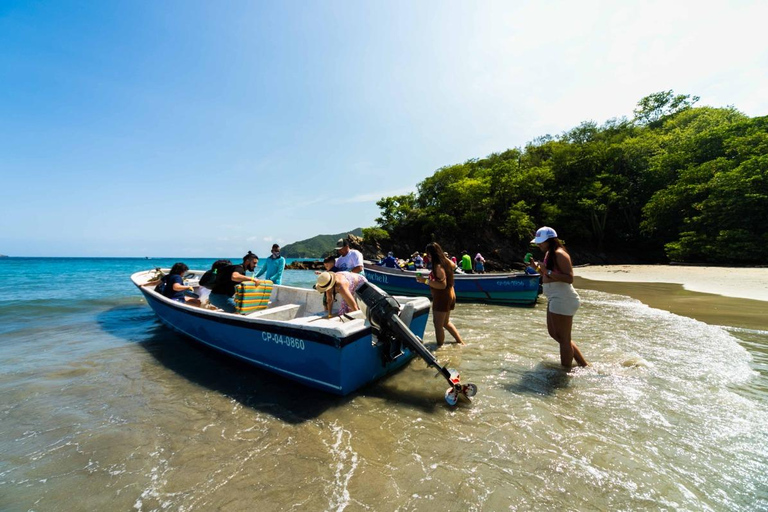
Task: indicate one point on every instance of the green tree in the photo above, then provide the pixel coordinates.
(654, 107)
(687, 180)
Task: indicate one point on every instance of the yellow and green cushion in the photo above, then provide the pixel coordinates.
(250, 296)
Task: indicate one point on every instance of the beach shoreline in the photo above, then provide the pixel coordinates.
(730, 296)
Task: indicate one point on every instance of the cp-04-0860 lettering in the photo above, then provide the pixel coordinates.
(287, 341)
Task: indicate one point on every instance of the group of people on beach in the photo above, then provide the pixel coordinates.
(556, 270)
(343, 276)
(418, 261)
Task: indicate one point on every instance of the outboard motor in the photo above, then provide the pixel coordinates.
(383, 312)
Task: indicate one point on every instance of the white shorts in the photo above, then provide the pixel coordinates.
(563, 299)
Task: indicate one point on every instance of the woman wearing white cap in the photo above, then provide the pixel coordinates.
(343, 283)
(563, 301)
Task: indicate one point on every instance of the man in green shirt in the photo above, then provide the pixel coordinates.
(466, 262)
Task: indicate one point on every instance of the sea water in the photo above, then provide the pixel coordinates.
(103, 408)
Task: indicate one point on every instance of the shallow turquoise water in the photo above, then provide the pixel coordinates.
(103, 407)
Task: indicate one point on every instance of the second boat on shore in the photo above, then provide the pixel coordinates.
(513, 289)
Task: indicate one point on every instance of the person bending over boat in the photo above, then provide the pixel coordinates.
(174, 285)
(440, 284)
(274, 266)
(222, 294)
(343, 283)
(557, 277)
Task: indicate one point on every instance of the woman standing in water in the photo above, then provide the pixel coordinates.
(440, 283)
(557, 277)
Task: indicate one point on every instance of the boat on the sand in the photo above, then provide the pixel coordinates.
(293, 337)
(514, 288)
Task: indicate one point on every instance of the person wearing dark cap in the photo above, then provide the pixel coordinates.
(349, 260)
(562, 300)
(223, 291)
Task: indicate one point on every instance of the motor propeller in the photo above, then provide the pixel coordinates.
(383, 312)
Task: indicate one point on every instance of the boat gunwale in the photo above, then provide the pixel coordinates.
(400, 271)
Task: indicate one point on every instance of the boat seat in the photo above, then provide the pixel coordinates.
(284, 312)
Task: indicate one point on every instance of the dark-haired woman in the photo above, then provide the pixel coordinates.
(174, 285)
(557, 277)
(440, 284)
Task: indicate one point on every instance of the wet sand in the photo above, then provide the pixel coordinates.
(736, 297)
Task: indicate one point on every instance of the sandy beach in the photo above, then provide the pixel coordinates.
(732, 296)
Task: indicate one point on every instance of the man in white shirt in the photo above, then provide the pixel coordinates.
(350, 260)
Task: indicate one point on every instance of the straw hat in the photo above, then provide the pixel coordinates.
(325, 281)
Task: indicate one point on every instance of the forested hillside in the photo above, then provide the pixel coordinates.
(677, 182)
(316, 246)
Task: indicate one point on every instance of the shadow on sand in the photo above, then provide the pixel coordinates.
(253, 387)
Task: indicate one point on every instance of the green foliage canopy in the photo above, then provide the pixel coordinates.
(678, 182)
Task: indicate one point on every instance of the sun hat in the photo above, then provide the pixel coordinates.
(341, 243)
(544, 234)
(325, 281)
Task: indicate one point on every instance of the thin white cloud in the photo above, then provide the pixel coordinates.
(374, 196)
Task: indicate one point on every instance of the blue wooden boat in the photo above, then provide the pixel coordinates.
(292, 337)
(517, 288)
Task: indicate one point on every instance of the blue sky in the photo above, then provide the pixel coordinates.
(190, 128)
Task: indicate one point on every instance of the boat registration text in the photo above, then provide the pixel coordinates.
(287, 341)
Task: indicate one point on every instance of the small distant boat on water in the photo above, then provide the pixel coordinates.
(516, 288)
(293, 337)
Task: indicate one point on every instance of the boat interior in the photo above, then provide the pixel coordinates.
(287, 304)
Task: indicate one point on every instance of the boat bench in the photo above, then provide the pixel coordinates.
(284, 312)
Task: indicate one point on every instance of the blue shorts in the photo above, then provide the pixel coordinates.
(221, 301)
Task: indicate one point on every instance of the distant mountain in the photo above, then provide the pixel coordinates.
(316, 246)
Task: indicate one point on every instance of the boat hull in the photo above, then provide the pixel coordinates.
(321, 358)
(507, 289)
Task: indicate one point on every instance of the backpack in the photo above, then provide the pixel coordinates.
(160, 288)
(209, 278)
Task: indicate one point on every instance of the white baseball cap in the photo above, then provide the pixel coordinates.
(544, 234)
